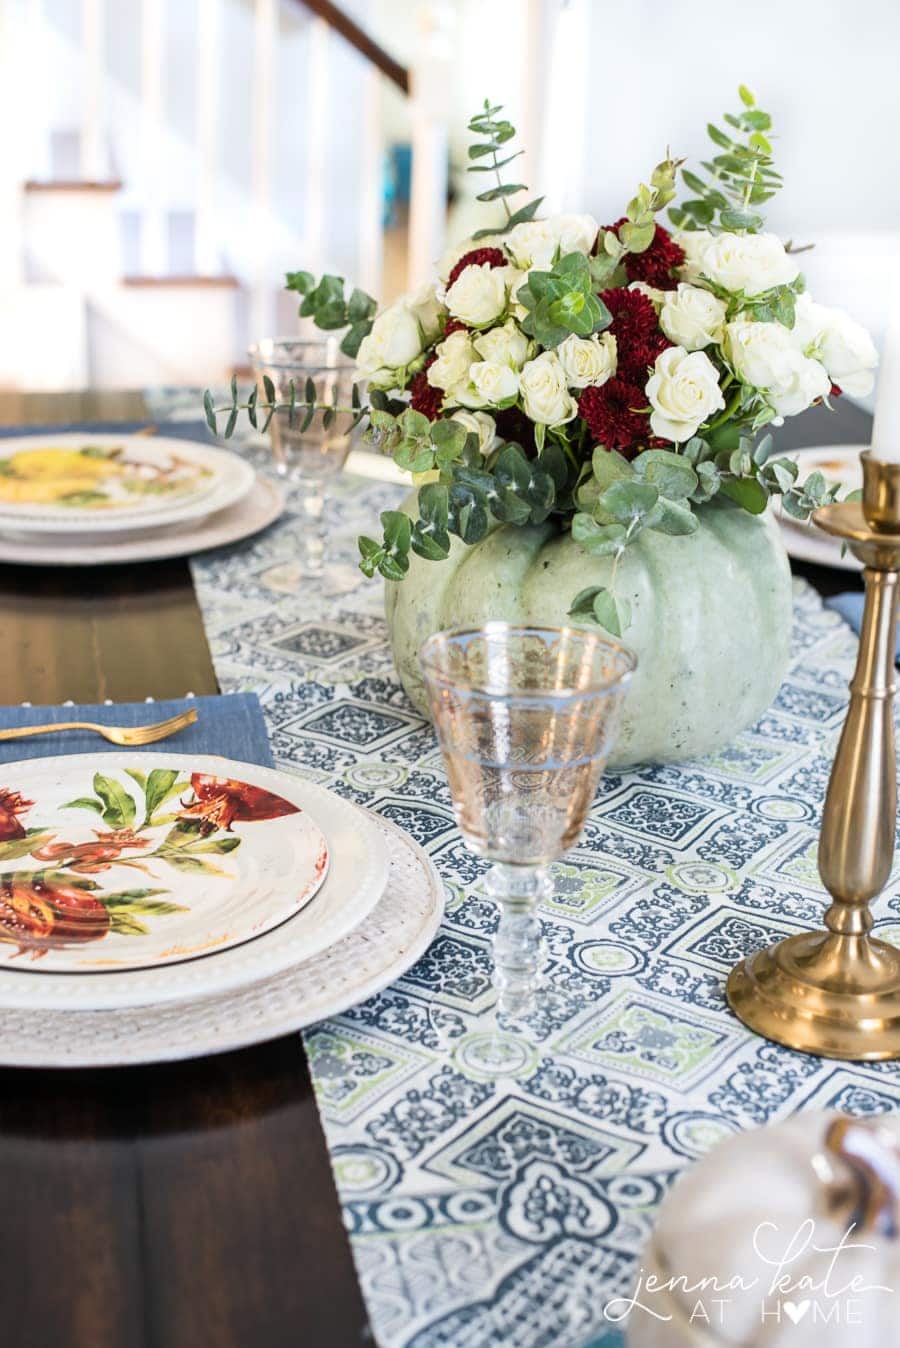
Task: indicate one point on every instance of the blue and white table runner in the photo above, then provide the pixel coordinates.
(489, 1212)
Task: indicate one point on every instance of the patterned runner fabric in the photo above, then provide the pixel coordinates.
(509, 1212)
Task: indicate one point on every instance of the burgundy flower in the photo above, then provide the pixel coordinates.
(835, 391)
(221, 800)
(424, 397)
(657, 263)
(477, 257)
(456, 324)
(613, 415)
(639, 338)
(12, 804)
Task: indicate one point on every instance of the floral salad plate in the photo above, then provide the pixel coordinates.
(131, 861)
(77, 482)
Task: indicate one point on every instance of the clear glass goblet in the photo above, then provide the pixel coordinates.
(309, 455)
(526, 718)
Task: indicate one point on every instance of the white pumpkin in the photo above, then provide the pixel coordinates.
(784, 1237)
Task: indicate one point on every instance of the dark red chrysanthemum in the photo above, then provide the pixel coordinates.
(835, 391)
(611, 416)
(494, 257)
(656, 264)
(513, 425)
(639, 338)
(454, 325)
(424, 397)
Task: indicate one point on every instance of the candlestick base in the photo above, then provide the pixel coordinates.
(822, 993)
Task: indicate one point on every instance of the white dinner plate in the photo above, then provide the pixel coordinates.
(180, 480)
(396, 933)
(256, 511)
(355, 881)
(107, 863)
(840, 466)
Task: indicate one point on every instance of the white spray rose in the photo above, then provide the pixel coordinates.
(691, 317)
(683, 392)
(765, 355)
(395, 340)
(656, 297)
(429, 313)
(588, 360)
(507, 344)
(515, 279)
(455, 355)
(545, 397)
(536, 243)
(481, 424)
(751, 263)
(838, 342)
(478, 295)
(490, 384)
(694, 243)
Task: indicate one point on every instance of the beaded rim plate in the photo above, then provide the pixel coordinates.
(388, 942)
(355, 881)
(211, 480)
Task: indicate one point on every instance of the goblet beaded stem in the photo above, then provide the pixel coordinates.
(526, 717)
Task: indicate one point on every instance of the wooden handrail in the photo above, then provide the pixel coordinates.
(360, 40)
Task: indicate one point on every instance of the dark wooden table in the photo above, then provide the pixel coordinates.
(186, 1206)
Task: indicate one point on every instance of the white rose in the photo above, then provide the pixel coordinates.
(478, 295)
(480, 424)
(395, 340)
(838, 342)
(515, 279)
(507, 344)
(429, 313)
(656, 297)
(545, 397)
(490, 384)
(694, 243)
(683, 392)
(748, 262)
(455, 355)
(691, 317)
(588, 360)
(536, 243)
(765, 355)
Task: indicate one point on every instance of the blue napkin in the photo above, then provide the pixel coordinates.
(850, 607)
(177, 430)
(231, 726)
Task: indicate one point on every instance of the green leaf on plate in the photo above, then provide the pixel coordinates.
(118, 807)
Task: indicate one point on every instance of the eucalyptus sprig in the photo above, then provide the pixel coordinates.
(499, 133)
(301, 407)
(637, 231)
(323, 301)
(741, 175)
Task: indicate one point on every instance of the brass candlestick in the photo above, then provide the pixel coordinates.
(837, 992)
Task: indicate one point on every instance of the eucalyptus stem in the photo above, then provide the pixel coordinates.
(730, 409)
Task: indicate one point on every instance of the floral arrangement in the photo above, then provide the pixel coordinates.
(611, 378)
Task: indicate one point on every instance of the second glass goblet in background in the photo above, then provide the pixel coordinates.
(526, 718)
(309, 455)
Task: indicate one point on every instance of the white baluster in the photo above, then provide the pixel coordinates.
(371, 217)
(432, 82)
(265, 44)
(154, 252)
(32, 79)
(93, 127)
(206, 253)
(317, 108)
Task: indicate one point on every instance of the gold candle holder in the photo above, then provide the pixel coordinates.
(837, 992)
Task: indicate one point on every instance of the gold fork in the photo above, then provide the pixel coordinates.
(116, 734)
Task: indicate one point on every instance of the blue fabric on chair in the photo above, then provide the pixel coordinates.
(176, 430)
(850, 607)
(231, 726)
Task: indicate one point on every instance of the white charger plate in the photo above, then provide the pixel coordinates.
(110, 863)
(355, 882)
(840, 465)
(256, 511)
(221, 478)
(396, 933)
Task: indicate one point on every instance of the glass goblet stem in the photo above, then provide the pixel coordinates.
(313, 505)
(518, 950)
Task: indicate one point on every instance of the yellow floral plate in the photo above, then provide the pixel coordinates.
(78, 482)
